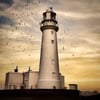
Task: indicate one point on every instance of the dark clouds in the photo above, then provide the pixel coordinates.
(20, 36)
(9, 2)
(5, 21)
(76, 16)
(4, 4)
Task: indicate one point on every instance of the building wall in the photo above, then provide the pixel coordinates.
(62, 81)
(27, 80)
(73, 86)
(30, 79)
(33, 78)
(14, 80)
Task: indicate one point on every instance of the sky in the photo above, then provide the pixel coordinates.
(78, 38)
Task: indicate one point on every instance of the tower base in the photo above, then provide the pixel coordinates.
(48, 84)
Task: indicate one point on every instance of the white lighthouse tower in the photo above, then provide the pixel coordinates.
(49, 76)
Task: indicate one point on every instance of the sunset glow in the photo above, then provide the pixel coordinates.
(78, 38)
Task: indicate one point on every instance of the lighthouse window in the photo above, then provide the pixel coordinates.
(52, 41)
(51, 32)
(53, 74)
(53, 61)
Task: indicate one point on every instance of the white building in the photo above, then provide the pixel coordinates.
(26, 80)
(14, 80)
(17, 80)
(49, 76)
(73, 86)
(30, 79)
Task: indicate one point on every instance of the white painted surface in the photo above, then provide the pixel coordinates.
(73, 86)
(49, 77)
(30, 79)
(62, 81)
(14, 80)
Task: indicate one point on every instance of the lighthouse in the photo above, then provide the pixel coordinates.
(49, 75)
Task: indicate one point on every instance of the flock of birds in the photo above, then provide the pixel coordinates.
(20, 22)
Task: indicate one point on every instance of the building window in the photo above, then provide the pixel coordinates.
(21, 87)
(35, 85)
(14, 87)
(52, 41)
(9, 86)
(54, 87)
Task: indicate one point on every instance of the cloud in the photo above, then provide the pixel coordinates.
(80, 6)
(5, 21)
(4, 4)
(78, 35)
(9, 2)
(77, 15)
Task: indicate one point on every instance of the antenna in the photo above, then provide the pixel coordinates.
(16, 69)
